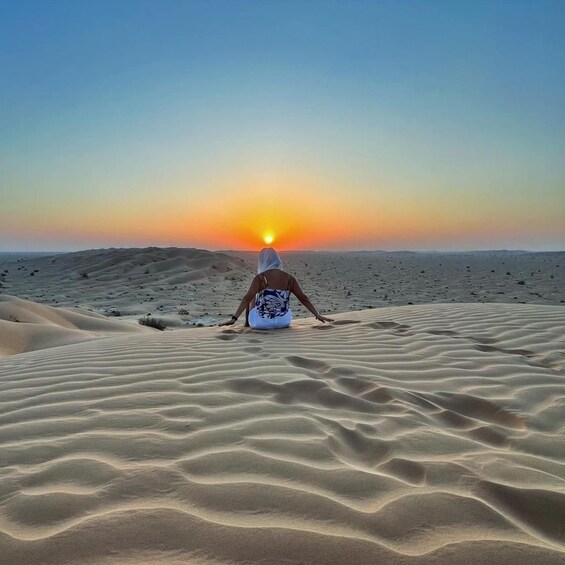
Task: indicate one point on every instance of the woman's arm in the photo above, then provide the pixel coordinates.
(253, 290)
(295, 288)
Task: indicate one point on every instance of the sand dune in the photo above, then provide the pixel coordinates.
(191, 286)
(128, 282)
(418, 434)
(118, 263)
(27, 326)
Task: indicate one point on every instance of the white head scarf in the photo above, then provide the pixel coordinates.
(268, 259)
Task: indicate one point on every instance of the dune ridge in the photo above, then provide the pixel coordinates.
(126, 283)
(27, 326)
(417, 434)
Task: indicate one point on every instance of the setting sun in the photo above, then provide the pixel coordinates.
(268, 238)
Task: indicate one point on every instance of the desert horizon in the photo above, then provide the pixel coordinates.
(129, 283)
(282, 282)
(462, 251)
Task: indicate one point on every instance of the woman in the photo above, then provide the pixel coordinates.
(268, 299)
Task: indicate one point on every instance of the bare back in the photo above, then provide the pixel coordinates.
(276, 279)
(280, 280)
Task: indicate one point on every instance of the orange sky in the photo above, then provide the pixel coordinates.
(299, 214)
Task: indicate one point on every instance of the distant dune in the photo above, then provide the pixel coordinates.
(192, 286)
(405, 435)
(15, 255)
(109, 264)
(126, 282)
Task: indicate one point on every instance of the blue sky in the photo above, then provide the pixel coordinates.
(445, 119)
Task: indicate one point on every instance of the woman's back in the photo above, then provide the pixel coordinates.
(276, 279)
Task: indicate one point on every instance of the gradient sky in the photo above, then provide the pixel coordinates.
(334, 125)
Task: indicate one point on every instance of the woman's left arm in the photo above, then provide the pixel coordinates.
(253, 290)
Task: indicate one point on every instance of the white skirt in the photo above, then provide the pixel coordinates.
(259, 323)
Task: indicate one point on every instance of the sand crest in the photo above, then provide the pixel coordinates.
(27, 326)
(418, 434)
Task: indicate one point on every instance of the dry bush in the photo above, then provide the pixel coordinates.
(152, 323)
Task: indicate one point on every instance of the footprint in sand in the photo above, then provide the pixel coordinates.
(305, 363)
(399, 329)
(227, 335)
(336, 323)
(383, 325)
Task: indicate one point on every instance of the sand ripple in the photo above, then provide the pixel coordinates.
(423, 434)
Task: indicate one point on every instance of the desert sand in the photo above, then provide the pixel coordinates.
(186, 287)
(407, 434)
(27, 326)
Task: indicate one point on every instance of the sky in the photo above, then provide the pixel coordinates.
(423, 125)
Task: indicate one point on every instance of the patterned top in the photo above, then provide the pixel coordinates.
(273, 302)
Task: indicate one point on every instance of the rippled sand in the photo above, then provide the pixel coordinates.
(418, 434)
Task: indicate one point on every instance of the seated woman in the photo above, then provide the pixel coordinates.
(268, 299)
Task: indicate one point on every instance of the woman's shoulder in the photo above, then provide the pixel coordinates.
(278, 278)
(276, 273)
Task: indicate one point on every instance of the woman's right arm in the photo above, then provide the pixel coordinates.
(297, 291)
(253, 290)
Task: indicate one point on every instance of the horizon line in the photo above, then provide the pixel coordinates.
(477, 250)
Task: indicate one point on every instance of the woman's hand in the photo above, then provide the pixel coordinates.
(323, 319)
(228, 323)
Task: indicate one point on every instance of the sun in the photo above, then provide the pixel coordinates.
(268, 238)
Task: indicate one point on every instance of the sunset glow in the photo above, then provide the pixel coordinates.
(365, 125)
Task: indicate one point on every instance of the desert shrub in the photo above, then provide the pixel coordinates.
(183, 312)
(112, 312)
(152, 323)
(84, 275)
